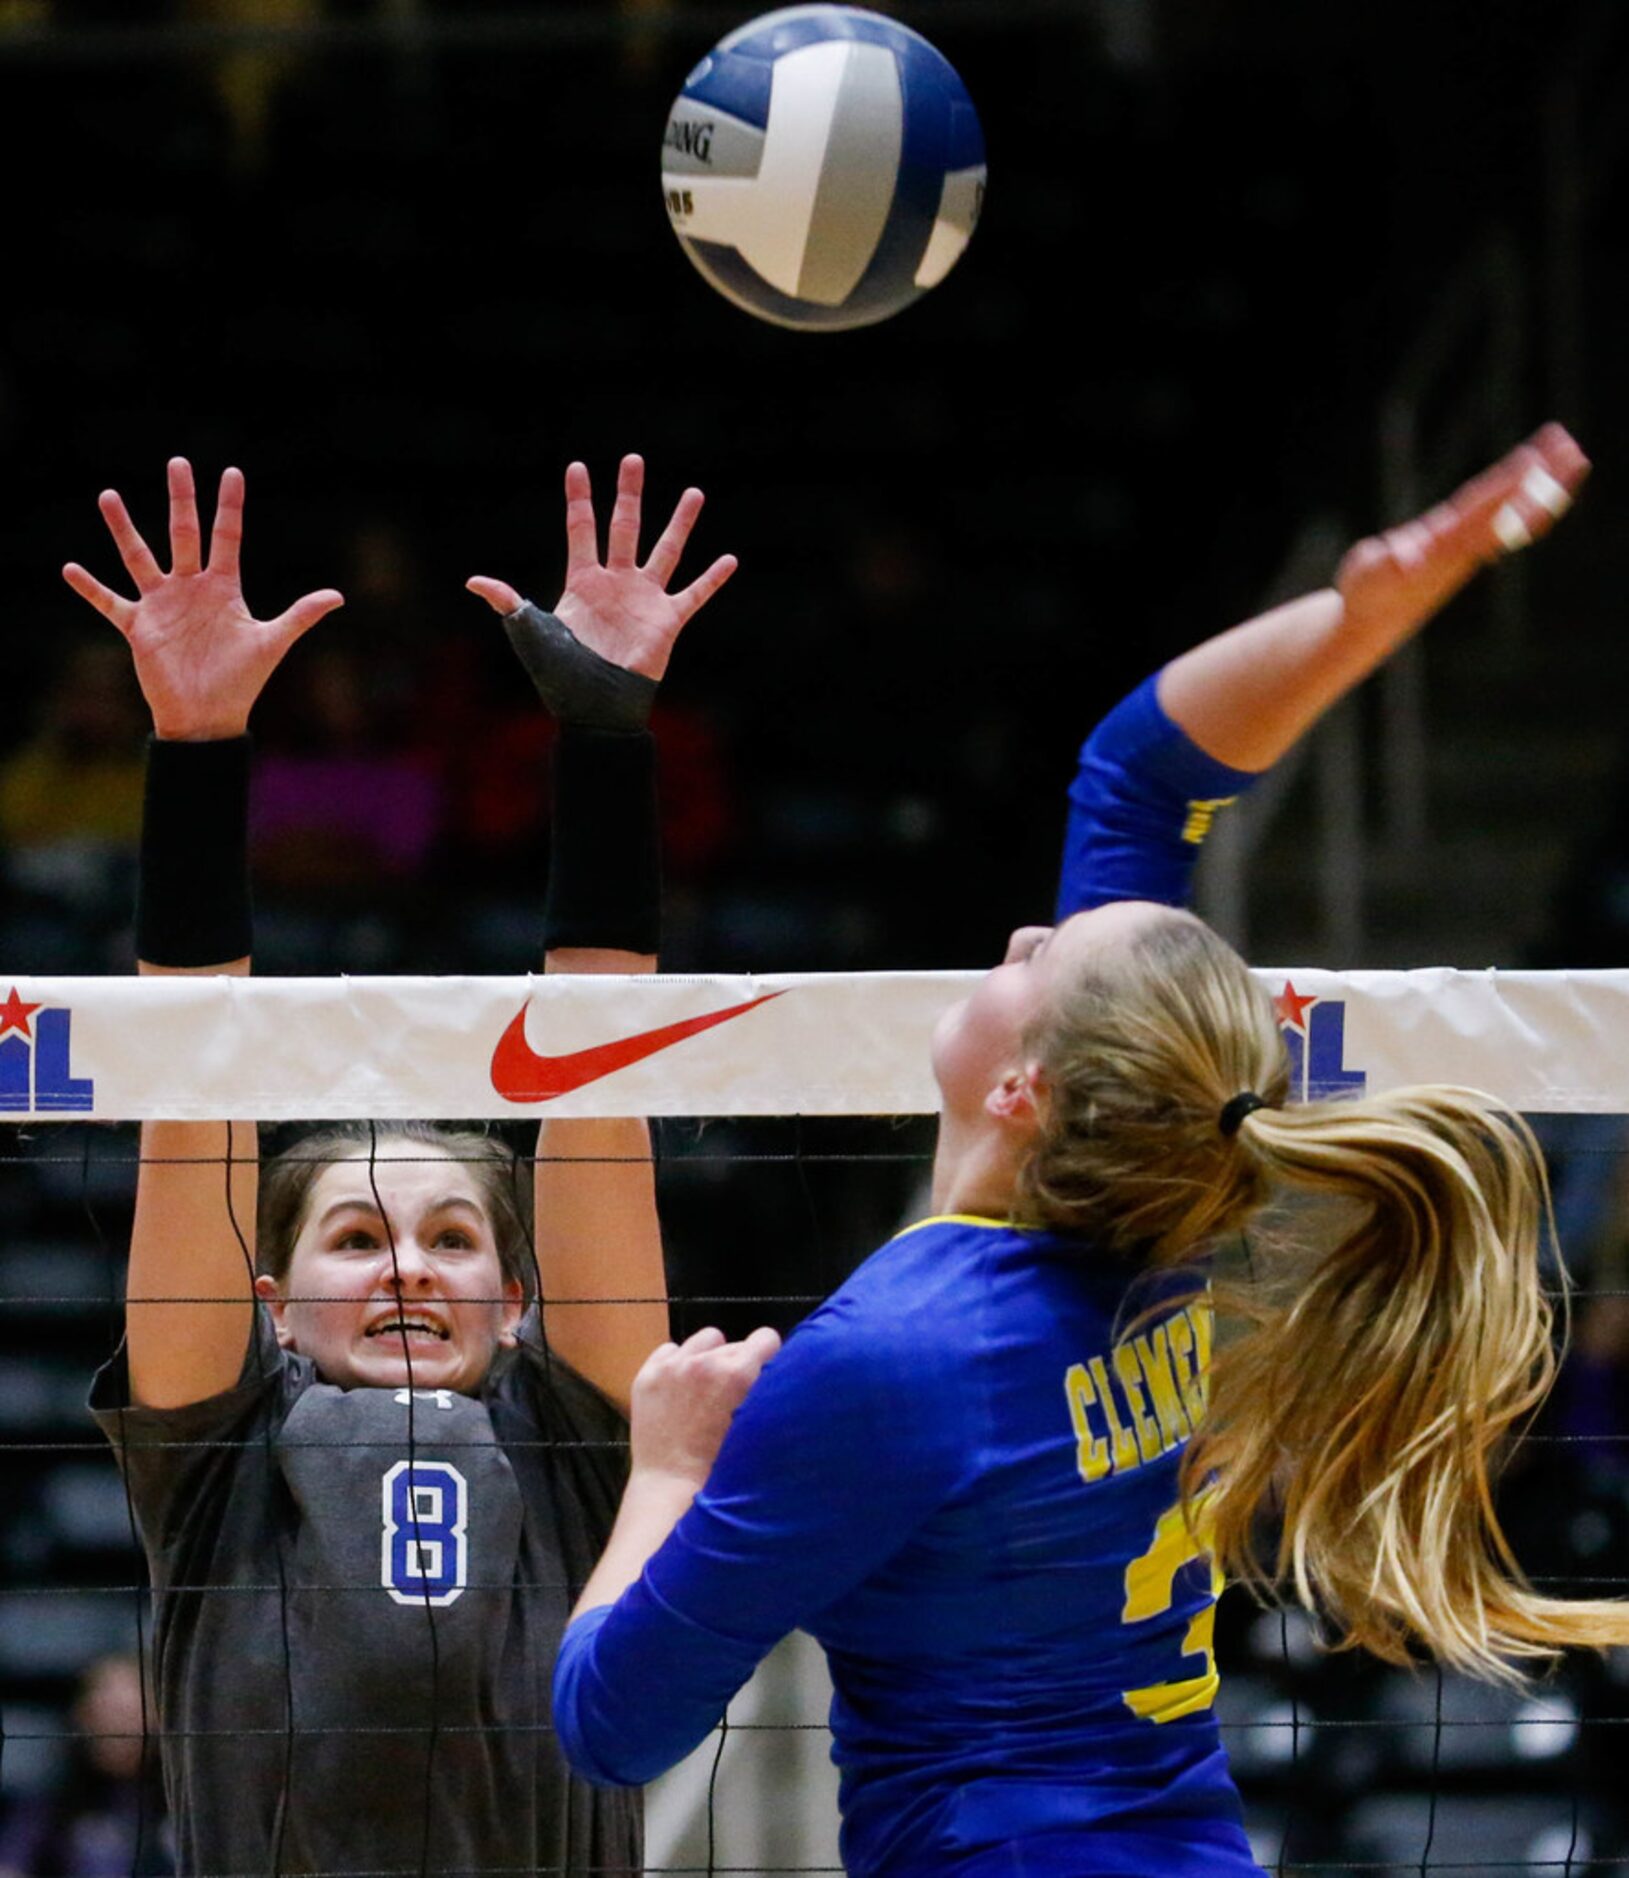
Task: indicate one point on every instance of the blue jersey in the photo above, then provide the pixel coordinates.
(961, 1476)
(1142, 802)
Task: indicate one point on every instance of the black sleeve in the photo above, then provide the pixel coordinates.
(192, 881)
(568, 1444)
(179, 1462)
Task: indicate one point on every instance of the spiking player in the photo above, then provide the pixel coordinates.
(996, 1472)
(364, 1497)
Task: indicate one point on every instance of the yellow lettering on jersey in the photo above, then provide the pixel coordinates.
(1091, 1450)
(1184, 1360)
(1202, 1317)
(1150, 1578)
(1124, 1442)
(1156, 1398)
(1155, 1357)
(1130, 1378)
(1150, 1587)
(1169, 1701)
(1200, 816)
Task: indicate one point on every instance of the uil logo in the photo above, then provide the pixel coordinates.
(35, 1072)
(1314, 1033)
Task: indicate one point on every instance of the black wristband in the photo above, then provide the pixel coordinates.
(192, 890)
(605, 864)
(576, 684)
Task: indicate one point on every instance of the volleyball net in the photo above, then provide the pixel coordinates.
(793, 1134)
(257, 1049)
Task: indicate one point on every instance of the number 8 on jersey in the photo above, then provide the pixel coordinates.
(424, 1554)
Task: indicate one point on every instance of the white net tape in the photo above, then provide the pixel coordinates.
(124, 1049)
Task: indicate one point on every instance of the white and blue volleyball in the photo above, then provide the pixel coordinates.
(823, 167)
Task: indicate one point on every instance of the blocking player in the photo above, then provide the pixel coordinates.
(370, 1436)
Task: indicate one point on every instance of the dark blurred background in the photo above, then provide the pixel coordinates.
(1252, 279)
(1246, 271)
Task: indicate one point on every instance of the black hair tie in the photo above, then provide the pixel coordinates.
(1234, 1111)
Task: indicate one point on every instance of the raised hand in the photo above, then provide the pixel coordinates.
(619, 608)
(1404, 575)
(684, 1398)
(201, 659)
(1245, 696)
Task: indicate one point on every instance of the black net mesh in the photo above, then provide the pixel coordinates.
(1345, 1765)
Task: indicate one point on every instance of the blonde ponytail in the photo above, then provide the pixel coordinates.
(1368, 1379)
(1372, 1388)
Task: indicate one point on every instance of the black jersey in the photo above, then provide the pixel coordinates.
(359, 1597)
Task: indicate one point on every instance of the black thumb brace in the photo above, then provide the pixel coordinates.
(576, 684)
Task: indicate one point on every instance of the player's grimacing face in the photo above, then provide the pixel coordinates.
(395, 1276)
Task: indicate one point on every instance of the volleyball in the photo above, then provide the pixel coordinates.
(823, 167)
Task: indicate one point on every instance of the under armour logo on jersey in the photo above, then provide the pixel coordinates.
(443, 1398)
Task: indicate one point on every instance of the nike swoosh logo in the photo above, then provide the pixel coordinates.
(520, 1074)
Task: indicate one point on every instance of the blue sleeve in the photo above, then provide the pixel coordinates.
(845, 1445)
(1140, 806)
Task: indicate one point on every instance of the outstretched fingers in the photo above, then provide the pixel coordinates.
(1562, 453)
(1553, 468)
(226, 537)
(582, 534)
(112, 606)
(138, 559)
(1397, 580)
(1519, 499)
(498, 594)
(302, 616)
(622, 539)
(664, 557)
(691, 599)
(185, 545)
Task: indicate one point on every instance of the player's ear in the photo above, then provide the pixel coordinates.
(514, 1309)
(1018, 1100)
(269, 1294)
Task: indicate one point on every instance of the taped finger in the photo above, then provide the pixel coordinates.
(1511, 528)
(1541, 488)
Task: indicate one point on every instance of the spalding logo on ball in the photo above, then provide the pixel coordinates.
(823, 167)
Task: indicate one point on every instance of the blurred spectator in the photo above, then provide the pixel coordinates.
(344, 809)
(1594, 1394)
(1588, 1161)
(24, 15)
(497, 764)
(348, 798)
(646, 26)
(70, 810)
(1592, 1219)
(248, 77)
(106, 1817)
(78, 779)
(502, 789)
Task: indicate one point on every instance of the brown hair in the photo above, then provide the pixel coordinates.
(287, 1179)
(1367, 1380)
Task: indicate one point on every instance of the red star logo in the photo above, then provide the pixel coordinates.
(1289, 1007)
(14, 1014)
